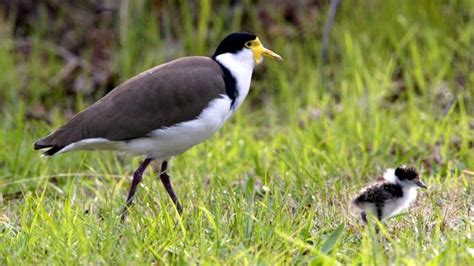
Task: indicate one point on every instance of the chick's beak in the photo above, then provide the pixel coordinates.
(420, 184)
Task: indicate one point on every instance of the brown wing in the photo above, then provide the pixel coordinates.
(165, 95)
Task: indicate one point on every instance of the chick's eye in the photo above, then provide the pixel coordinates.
(248, 44)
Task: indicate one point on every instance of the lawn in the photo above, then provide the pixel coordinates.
(273, 186)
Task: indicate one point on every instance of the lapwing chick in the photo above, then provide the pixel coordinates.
(389, 197)
(165, 110)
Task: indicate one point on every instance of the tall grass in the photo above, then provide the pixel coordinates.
(273, 186)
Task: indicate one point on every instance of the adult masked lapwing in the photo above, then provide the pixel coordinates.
(165, 110)
(389, 197)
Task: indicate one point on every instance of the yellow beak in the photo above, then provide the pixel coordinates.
(271, 54)
(259, 51)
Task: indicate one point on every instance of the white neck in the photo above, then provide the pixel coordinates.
(240, 65)
(409, 195)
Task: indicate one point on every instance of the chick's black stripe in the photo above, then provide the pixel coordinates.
(230, 85)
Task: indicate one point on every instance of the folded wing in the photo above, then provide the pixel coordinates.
(160, 97)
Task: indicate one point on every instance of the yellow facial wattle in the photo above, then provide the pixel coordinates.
(259, 51)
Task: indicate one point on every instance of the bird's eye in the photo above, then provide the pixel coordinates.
(248, 44)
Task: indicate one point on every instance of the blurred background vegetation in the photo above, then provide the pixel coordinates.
(68, 51)
(397, 87)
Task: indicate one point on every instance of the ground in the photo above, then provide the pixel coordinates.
(273, 186)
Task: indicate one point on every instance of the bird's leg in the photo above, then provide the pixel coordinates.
(137, 177)
(165, 179)
(363, 216)
(379, 208)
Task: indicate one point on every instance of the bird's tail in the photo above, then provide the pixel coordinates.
(51, 148)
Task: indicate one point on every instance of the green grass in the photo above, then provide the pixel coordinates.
(274, 184)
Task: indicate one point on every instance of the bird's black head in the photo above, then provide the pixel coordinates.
(243, 47)
(235, 42)
(409, 176)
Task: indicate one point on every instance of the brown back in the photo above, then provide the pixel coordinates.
(160, 97)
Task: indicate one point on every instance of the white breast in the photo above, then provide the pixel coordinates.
(394, 207)
(240, 65)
